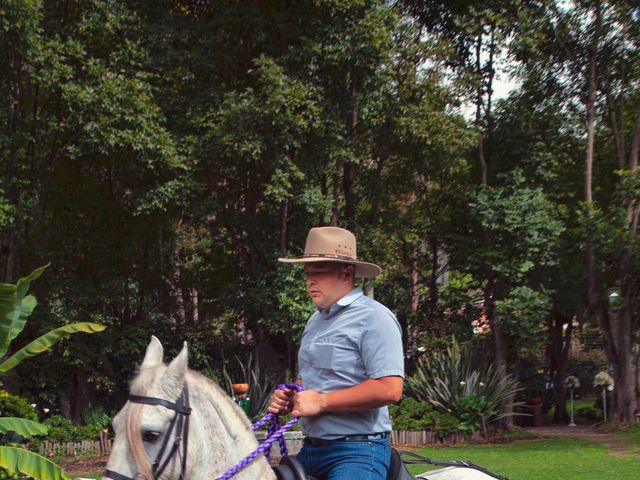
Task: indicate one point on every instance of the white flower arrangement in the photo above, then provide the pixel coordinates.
(572, 382)
(603, 379)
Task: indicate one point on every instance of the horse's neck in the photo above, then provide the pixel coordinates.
(220, 434)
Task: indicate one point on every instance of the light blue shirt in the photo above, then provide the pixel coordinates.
(357, 339)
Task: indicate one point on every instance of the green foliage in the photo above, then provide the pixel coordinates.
(45, 342)
(413, 415)
(15, 308)
(591, 414)
(455, 380)
(261, 384)
(96, 416)
(16, 459)
(473, 412)
(64, 430)
(16, 406)
(522, 313)
(21, 426)
(165, 181)
(446, 424)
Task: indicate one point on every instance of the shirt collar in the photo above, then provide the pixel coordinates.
(345, 301)
(350, 297)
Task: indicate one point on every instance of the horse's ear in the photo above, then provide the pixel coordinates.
(174, 377)
(154, 353)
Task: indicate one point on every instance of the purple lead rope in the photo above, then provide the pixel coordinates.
(275, 432)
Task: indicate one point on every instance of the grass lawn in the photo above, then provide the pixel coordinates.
(632, 432)
(548, 459)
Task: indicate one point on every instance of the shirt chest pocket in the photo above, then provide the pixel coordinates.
(335, 355)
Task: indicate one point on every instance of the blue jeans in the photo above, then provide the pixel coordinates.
(348, 460)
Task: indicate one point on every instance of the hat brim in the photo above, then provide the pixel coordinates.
(363, 269)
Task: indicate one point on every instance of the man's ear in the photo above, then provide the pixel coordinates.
(351, 271)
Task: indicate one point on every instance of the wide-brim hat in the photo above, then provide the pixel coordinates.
(333, 244)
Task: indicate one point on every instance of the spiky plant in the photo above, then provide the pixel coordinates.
(444, 377)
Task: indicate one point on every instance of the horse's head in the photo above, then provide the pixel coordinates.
(150, 422)
(155, 425)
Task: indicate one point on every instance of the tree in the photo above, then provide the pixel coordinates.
(582, 59)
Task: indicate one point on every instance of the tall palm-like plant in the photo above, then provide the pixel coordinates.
(15, 308)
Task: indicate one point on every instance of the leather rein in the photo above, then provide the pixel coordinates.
(179, 424)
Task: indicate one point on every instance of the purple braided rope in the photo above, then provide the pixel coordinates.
(275, 432)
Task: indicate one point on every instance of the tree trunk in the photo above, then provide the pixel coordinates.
(335, 210)
(590, 107)
(375, 201)
(414, 280)
(558, 353)
(64, 404)
(10, 247)
(351, 124)
(284, 212)
(80, 396)
(433, 282)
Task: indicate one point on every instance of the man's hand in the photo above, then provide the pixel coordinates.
(308, 403)
(281, 401)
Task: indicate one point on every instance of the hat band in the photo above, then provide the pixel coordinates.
(327, 255)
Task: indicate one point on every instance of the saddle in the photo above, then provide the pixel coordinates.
(291, 469)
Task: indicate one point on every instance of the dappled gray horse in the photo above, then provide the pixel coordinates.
(218, 433)
(179, 425)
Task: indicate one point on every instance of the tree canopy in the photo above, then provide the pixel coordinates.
(162, 154)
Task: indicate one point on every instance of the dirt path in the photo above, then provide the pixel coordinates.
(617, 445)
(81, 468)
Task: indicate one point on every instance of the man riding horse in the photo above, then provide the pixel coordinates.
(350, 365)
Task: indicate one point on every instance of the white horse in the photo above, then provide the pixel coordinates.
(179, 425)
(219, 433)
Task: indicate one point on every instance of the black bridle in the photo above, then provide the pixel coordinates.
(179, 423)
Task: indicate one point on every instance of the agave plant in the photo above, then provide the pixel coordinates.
(452, 377)
(15, 308)
(261, 384)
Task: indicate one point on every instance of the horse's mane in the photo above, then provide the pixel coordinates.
(228, 412)
(139, 386)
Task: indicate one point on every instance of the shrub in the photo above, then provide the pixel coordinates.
(446, 425)
(473, 412)
(15, 406)
(589, 413)
(412, 415)
(445, 378)
(64, 430)
(96, 416)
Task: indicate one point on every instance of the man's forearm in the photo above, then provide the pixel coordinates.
(370, 394)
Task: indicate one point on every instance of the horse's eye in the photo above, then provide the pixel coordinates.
(149, 436)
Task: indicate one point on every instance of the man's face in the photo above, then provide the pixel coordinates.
(328, 282)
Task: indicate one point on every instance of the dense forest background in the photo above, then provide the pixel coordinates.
(162, 154)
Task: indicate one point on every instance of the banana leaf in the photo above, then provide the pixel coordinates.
(17, 459)
(15, 308)
(22, 426)
(45, 342)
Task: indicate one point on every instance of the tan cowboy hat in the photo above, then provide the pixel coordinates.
(332, 244)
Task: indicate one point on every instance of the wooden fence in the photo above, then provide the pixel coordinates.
(294, 443)
(416, 439)
(398, 437)
(84, 447)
